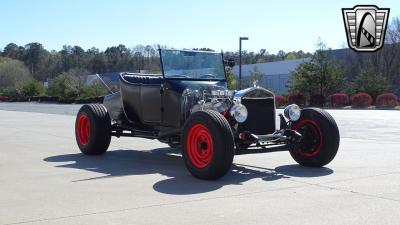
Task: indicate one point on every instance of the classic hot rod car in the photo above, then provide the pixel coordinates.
(188, 106)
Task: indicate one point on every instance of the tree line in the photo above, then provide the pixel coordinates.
(325, 73)
(31, 64)
(43, 64)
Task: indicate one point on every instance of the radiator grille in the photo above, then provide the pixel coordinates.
(261, 118)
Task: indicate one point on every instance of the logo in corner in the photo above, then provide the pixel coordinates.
(365, 27)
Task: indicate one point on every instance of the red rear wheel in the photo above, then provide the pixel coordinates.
(83, 129)
(93, 129)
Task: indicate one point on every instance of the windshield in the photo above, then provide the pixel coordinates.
(192, 65)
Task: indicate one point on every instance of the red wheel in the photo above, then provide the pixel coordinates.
(207, 145)
(312, 135)
(200, 145)
(93, 129)
(83, 129)
(320, 141)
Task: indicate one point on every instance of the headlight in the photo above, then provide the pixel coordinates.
(292, 112)
(239, 112)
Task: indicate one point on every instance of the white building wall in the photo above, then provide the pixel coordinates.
(277, 74)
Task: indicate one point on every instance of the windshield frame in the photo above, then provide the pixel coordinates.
(191, 78)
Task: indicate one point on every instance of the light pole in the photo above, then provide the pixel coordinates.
(240, 60)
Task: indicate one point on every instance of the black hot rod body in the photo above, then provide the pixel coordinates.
(188, 106)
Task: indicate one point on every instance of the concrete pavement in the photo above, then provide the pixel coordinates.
(45, 180)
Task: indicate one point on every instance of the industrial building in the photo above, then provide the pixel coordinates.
(275, 75)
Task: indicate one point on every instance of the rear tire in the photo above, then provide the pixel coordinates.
(320, 138)
(207, 145)
(93, 129)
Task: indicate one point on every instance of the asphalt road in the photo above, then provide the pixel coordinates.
(45, 180)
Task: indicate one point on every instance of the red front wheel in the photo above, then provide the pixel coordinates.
(320, 141)
(200, 145)
(207, 145)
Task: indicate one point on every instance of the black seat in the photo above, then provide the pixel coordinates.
(138, 78)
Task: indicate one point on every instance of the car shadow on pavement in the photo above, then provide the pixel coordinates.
(168, 162)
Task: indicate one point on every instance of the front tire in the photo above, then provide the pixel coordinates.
(207, 145)
(320, 141)
(93, 129)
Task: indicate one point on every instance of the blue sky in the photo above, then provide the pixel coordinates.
(272, 25)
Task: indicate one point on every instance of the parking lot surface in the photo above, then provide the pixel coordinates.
(44, 179)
